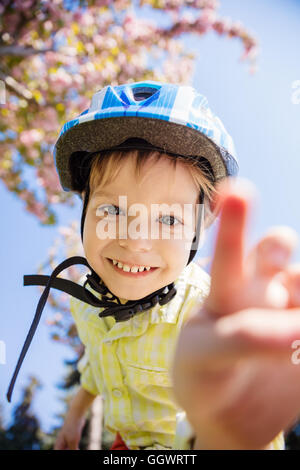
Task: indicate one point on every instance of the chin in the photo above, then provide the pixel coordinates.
(127, 296)
(130, 294)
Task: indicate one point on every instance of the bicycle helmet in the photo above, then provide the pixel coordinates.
(170, 118)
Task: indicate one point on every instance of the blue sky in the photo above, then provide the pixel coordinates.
(258, 112)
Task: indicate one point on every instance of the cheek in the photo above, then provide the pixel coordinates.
(176, 252)
(87, 231)
(90, 238)
(176, 258)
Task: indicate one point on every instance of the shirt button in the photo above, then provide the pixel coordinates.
(117, 393)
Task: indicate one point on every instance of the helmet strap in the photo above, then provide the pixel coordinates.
(118, 311)
(85, 203)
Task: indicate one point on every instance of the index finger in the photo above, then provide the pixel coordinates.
(227, 270)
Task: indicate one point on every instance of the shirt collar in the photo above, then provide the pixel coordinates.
(138, 324)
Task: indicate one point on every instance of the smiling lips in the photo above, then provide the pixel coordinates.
(128, 265)
(132, 271)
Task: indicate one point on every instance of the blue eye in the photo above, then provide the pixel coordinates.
(171, 217)
(109, 206)
(116, 211)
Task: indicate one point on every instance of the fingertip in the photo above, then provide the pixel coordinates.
(238, 193)
(239, 186)
(284, 233)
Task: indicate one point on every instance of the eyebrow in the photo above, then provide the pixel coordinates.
(102, 193)
(107, 194)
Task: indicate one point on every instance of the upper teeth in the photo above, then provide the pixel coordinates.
(127, 268)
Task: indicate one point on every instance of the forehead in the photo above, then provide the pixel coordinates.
(156, 179)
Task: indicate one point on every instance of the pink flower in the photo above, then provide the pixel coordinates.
(48, 25)
(30, 137)
(17, 72)
(48, 178)
(137, 28)
(102, 3)
(25, 194)
(55, 10)
(23, 4)
(60, 80)
(54, 199)
(38, 209)
(50, 120)
(236, 30)
(33, 152)
(86, 19)
(51, 58)
(98, 40)
(221, 26)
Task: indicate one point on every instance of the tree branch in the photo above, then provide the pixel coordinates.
(15, 50)
(16, 87)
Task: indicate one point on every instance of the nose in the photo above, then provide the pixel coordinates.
(135, 246)
(135, 237)
(139, 245)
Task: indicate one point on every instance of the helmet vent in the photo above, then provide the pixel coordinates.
(143, 93)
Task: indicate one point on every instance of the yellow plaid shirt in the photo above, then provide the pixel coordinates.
(128, 364)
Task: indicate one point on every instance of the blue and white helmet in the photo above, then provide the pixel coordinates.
(174, 118)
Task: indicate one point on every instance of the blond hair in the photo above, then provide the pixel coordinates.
(106, 165)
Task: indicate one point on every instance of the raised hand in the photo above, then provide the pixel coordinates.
(236, 370)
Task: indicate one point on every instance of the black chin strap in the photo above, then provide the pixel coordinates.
(118, 311)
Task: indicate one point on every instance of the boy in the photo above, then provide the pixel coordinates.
(152, 144)
(128, 362)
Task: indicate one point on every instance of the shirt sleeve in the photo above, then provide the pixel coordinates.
(87, 380)
(184, 435)
(278, 443)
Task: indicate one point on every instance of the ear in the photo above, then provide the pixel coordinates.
(214, 204)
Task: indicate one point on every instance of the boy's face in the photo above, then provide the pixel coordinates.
(147, 235)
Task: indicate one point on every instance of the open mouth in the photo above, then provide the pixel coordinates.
(130, 273)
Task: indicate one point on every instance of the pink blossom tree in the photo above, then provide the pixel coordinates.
(52, 60)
